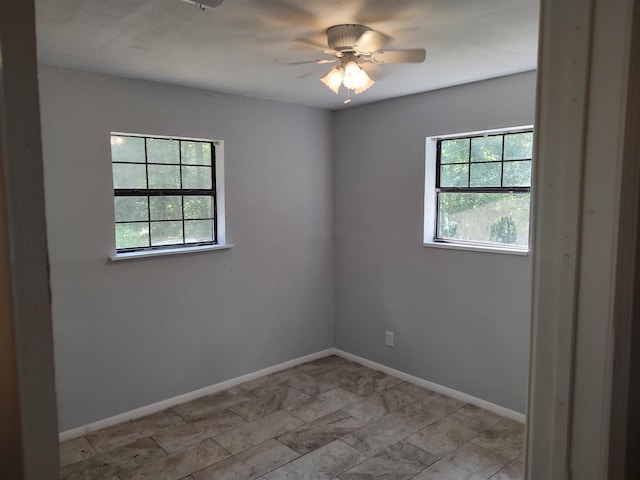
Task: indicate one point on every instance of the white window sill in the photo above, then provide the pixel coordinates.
(169, 251)
(476, 248)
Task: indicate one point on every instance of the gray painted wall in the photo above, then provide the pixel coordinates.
(137, 332)
(133, 333)
(461, 319)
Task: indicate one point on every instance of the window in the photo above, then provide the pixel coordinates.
(478, 189)
(167, 192)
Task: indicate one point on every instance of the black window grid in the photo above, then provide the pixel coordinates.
(475, 189)
(182, 192)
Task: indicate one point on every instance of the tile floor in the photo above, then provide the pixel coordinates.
(327, 419)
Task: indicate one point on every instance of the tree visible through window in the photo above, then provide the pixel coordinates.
(483, 185)
(164, 192)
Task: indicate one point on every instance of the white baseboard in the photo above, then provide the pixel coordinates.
(449, 392)
(186, 397)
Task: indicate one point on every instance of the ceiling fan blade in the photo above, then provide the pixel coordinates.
(308, 73)
(313, 43)
(375, 71)
(412, 55)
(204, 4)
(371, 41)
(307, 62)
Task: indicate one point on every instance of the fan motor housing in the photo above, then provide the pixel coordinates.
(343, 37)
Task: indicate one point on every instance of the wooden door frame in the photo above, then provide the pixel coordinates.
(624, 462)
(583, 79)
(30, 446)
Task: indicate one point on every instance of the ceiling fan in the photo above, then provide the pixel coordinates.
(205, 4)
(354, 47)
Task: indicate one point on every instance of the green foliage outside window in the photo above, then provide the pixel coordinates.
(164, 191)
(504, 231)
(483, 192)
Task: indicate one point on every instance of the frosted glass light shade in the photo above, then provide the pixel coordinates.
(355, 78)
(333, 79)
(366, 85)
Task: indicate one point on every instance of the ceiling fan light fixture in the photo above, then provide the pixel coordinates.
(334, 78)
(355, 78)
(366, 86)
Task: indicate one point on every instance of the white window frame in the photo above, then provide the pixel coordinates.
(430, 198)
(220, 217)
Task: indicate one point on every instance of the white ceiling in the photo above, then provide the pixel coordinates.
(234, 47)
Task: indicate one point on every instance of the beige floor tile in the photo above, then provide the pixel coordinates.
(258, 431)
(505, 437)
(89, 469)
(511, 471)
(318, 433)
(324, 404)
(262, 385)
(382, 433)
(323, 464)
(446, 435)
(329, 419)
(286, 398)
(302, 382)
(290, 378)
(127, 432)
(416, 392)
(322, 365)
(205, 406)
(398, 462)
(75, 450)
(180, 464)
(478, 414)
(183, 435)
(431, 408)
(114, 462)
(350, 374)
(369, 384)
(379, 404)
(469, 462)
(249, 464)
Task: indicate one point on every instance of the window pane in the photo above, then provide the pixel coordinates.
(166, 208)
(162, 151)
(132, 235)
(454, 175)
(196, 153)
(518, 146)
(127, 149)
(131, 209)
(126, 175)
(196, 177)
(486, 149)
(485, 174)
(198, 231)
(198, 207)
(164, 176)
(499, 218)
(166, 233)
(454, 151)
(517, 174)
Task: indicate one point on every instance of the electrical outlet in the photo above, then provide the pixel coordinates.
(388, 341)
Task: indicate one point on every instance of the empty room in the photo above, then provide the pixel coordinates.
(338, 240)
